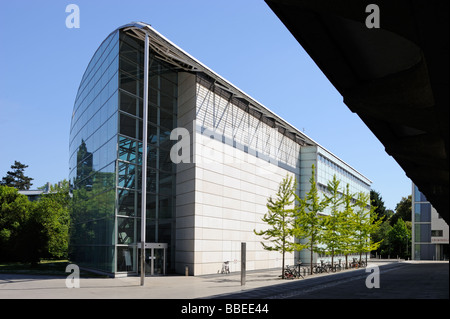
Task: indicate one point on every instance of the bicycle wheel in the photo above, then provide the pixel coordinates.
(288, 273)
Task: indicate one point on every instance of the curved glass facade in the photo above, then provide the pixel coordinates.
(106, 156)
(93, 140)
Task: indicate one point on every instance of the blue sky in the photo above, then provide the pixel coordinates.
(42, 62)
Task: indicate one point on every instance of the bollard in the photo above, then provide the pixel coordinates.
(243, 263)
(186, 270)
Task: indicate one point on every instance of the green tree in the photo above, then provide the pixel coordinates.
(51, 216)
(347, 238)
(382, 235)
(309, 221)
(30, 231)
(14, 214)
(280, 219)
(365, 222)
(402, 210)
(377, 201)
(399, 238)
(16, 177)
(333, 223)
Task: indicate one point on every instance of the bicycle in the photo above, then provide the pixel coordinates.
(353, 264)
(225, 268)
(317, 269)
(329, 267)
(337, 267)
(291, 272)
(288, 273)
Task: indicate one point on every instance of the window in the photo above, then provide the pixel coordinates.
(418, 196)
(127, 201)
(437, 233)
(130, 126)
(422, 212)
(127, 149)
(130, 104)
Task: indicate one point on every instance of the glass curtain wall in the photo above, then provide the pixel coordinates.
(423, 249)
(93, 141)
(106, 157)
(160, 169)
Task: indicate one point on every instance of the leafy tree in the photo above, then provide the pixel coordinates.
(365, 222)
(30, 231)
(280, 218)
(333, 223)
(377, 201)
(51, 217)
(16, 178)
(309, 221)
(347, 239)
(399, 237)
(382, 235)
(14, 214)
(402, 210)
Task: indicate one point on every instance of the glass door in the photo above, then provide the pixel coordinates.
(159, 260)
(155, 259)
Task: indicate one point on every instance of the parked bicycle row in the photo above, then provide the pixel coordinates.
(301, 271)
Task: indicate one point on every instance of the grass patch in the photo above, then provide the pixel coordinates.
(44, 267)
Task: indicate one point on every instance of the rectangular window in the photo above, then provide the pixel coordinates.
(152, 157)
(165, 207)
(127, 201)
(165, 183)
(129, 67)
(130, 51)
(127, 149)
(167, 120)
(126, 228)
(130, 104)
(422, 212)
(125, 259)
(127, 175)
(422, 233)
(437, 233)
(130, 126)
(130, 84)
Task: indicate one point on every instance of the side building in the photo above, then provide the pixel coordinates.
(214, 156)
(429, 230)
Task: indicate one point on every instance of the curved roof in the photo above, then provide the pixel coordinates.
(171, 53)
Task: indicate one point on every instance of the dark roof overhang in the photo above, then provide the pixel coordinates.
(396, 77)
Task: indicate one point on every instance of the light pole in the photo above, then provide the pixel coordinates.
(144, 158)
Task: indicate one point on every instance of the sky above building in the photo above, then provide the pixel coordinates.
(42, 62)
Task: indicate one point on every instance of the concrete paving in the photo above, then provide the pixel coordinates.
(259, 284)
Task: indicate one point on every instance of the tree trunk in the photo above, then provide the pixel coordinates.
(311, 261)
(332, 258)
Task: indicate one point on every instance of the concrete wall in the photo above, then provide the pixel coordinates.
(185, 180)
(221, 198)
(230, 202)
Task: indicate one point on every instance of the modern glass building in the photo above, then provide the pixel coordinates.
(199, 209)
(429, 230)
(106, 156)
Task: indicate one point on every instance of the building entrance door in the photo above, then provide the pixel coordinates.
(155, 259)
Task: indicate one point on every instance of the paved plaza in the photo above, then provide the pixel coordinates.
(397, 280)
